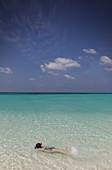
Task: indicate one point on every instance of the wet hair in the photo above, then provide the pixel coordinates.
(38, 145)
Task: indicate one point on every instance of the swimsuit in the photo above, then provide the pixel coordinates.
(49, 148)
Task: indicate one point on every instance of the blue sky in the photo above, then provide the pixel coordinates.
(55, 46)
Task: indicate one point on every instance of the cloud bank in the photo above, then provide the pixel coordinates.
(69, 77)
(108, 69)
(6, 70)
(32, 79)
(60, 64)
(89, 51)
(105, 60)
(42, 68)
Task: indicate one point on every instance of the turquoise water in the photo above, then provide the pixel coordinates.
(80, 120)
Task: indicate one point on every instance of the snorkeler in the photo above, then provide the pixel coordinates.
(49, 149)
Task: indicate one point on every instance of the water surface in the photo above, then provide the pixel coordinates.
(80, 120)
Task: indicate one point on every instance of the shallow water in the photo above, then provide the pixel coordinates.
(80, 120)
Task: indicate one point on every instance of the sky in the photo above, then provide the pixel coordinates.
(55, 46)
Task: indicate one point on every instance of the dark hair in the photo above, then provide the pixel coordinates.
(38, 145)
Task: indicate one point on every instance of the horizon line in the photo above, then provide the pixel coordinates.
(55, 92)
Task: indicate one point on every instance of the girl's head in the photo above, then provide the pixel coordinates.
(38, 145)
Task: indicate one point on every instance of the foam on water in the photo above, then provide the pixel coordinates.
(74, 151)
(81, 121)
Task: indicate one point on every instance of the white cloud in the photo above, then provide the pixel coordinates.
(42, 68)
(108, 69)
(50, 72)
(89, 51)
(60, 64)
(32, 79)
(69, 77)
(106, 60)
(79, 57)
(6, 70)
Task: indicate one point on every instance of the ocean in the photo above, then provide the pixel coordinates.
(83, 121)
